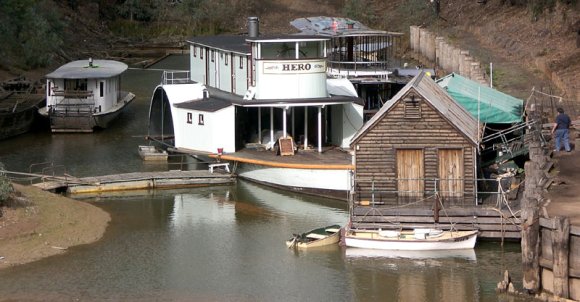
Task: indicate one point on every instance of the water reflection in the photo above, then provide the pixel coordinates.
(221, 243)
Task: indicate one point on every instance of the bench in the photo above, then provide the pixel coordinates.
(226, 166)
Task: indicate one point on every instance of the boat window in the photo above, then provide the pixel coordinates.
(194, 51)
(200, 119)
(190, 118)
(226, 60)
(201, 53)
(212, 53)
(241, 62)
(102, 89)
(292, 50)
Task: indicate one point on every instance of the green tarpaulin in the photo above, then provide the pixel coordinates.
(494, 107)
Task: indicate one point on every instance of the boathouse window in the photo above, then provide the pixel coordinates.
(101, 89)
(200, 119)
(412, 107)
(241, 62)
(226, 60)
(201, 53)
(194, 51)
(190, 118)
(212, 55)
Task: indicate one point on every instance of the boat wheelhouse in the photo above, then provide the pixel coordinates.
(246, 94)
(85, 94)
(364, 56)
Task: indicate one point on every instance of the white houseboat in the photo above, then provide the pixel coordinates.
(244, 95)
(85, 94)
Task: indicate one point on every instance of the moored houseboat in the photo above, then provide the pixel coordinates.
(85, 94)
(266, 104)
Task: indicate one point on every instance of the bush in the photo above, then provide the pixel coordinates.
(6, 188)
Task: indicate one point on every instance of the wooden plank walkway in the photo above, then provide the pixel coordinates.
(139, 180)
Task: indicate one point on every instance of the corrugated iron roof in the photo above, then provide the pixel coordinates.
(335, 27)
(239, 44)
(438, 98)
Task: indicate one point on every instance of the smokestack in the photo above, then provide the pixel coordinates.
(253, 27)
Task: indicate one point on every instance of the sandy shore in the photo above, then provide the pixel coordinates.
(48, 226)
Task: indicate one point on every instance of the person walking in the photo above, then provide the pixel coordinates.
(560, 130)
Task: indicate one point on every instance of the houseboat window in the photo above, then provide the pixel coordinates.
(200, 119)
(101, 89)
(194, 51)
(241, 62)
(212, 53)
(292, 50)
(189, 118)
(412, 107)
(311, 49)
(201, 53)
(226, 60)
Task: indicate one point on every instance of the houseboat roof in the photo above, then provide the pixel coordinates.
(335, 27)
(84, 69)
(439, 99)
(239, 44)
(492, 106)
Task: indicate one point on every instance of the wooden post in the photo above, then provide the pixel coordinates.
(561, 251)
(531, 245)
(531, 180)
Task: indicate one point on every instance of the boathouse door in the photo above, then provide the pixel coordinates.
(410, 172)
(451, 172)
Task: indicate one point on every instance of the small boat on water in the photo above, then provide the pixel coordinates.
(85, 94)
(315, 238)
(420, 239)
(152, 153)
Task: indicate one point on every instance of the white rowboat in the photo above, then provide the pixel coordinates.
(412, 240)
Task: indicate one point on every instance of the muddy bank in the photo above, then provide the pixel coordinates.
(48, 226)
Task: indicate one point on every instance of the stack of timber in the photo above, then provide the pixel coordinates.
(139, 181)
(491, 222)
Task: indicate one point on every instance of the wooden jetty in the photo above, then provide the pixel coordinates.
(137, 181)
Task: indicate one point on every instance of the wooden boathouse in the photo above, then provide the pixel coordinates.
(416, 165)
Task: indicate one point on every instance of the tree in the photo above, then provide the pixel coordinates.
(30, 30)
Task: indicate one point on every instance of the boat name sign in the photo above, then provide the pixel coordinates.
(295, 67)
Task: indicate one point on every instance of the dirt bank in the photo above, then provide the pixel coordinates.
(48, 226)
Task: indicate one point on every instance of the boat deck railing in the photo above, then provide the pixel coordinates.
(73, 94)
(175, 77)
(349, 70)
(418, 191)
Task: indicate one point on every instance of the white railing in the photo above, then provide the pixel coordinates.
(175, 77)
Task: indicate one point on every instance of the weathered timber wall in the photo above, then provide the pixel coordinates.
(376, 160)
(432, 49)
(559, 262)
(550, 245)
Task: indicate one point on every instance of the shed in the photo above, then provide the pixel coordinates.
(420, 142)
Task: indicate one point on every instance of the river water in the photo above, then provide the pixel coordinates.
(222, 243)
